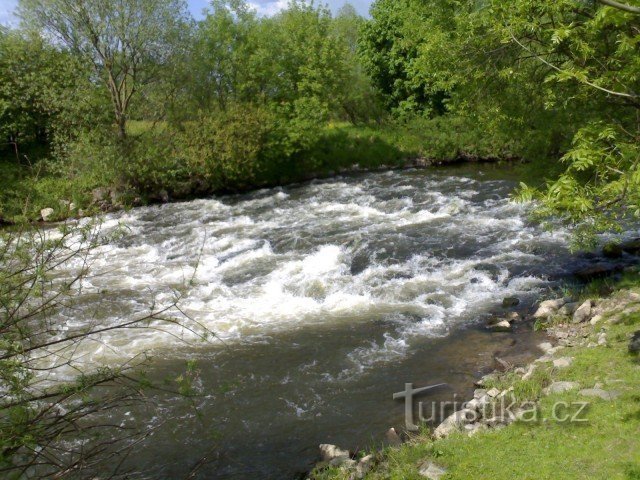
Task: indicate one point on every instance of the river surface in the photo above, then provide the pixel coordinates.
(325, 299)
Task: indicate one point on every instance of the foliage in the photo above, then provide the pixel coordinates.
(543, 78)
(48, 394)
(42, 93)
(128, 43)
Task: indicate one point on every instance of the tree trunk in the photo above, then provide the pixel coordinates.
(122, 125)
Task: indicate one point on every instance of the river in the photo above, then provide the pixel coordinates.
(325, 299)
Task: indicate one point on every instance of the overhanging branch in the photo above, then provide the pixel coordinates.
(621, 6)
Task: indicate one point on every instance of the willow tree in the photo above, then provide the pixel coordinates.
(128, 42)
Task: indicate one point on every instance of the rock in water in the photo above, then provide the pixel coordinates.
(634, 345)
(612, 250)
(393, 438)
(510, 302)
(501, 326)
(599, 270)
(334, 455)
(46, 214)
(632, 246)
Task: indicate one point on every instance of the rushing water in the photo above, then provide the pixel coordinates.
(325, 298)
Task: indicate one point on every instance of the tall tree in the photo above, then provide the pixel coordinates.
(127, 41)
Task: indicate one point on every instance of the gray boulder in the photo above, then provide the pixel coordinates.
(100, 194)
(569, 309)
(334, 455)
(561, 387)
(583, 313)
(599, 393)
(393, 438)
(431, 471)
(548, 308)
(364, 466)
(455, 423)
(501, 326)
(46, 214)
(562, 362)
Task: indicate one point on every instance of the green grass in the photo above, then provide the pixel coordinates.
(607, 446)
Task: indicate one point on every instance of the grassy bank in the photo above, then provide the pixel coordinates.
(606, 445)
(161, 163)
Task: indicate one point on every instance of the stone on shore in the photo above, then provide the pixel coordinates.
(46, 214)
(493, 393)
(549, 308)
(569, 309)
(364, 465)
(393, 438)
(561, 387)
(563, 362)
(545, 347)
(100, 195)
(455, 423)
(599, 393)
(431, 471)
(334, 455)
(583, 313)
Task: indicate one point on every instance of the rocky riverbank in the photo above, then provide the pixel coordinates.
(513, 394)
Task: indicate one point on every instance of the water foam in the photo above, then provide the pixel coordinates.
(432, 253)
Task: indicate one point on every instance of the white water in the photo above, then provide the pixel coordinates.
(423, 252)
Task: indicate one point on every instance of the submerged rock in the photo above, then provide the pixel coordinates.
(632, 246)
(510, 302)
(599, 270)
(612, 250)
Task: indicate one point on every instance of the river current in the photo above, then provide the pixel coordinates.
(325, 298)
